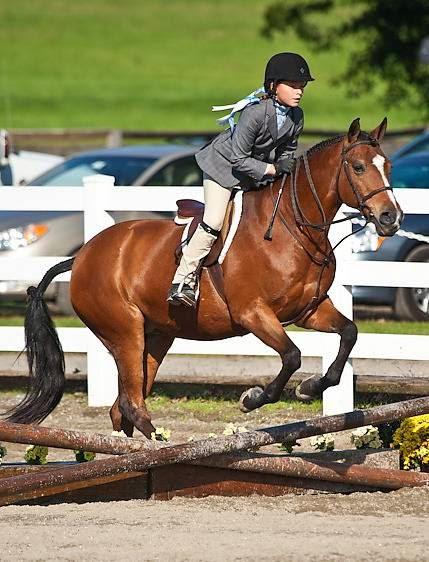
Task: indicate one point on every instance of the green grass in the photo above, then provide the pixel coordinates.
(388, 327)
(364, 326)
(154, 65)
(208, 402)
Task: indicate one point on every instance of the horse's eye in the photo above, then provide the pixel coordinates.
(358, 167)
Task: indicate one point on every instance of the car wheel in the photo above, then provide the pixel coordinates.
(64, 305)
(410, 303)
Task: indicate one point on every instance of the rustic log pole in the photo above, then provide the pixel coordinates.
(318, 470)
(36, 485)
(69, 439)
(116, 445)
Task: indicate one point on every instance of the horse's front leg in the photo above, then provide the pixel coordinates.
(327, 318)
(261, 321)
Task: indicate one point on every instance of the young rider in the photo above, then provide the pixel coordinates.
(260, 147)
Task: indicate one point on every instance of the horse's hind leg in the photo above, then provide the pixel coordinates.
(155, 349)
(122, 332)
(327, 318)
(119, 421)
(262, 322)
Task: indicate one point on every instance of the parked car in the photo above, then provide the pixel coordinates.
(27, 164)
(37, 233)
(410, 171)
(18, 167)
(418, 144)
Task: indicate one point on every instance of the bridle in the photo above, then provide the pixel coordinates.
(361, 199)
(303, 223)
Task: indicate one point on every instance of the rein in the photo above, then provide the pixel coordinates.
(302, 221)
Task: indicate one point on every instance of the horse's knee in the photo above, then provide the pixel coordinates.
(350, 333)
(292, 360)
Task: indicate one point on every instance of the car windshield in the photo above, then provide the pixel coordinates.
(125, 169)
(421, 146)
(411, 174)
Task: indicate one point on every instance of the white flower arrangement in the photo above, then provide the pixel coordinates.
(36, 454)
(84, 456)
(366, 437)
(3, 452)
(160, 434)
(323, 442)
(118, 434)
(232, 429)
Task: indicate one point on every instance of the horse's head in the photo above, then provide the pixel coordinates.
(364, 178)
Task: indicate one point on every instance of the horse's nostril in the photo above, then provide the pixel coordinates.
(387, 218)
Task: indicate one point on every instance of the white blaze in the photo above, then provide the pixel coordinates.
(378, 162)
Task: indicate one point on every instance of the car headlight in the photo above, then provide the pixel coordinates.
(22, 236)
(367, 240)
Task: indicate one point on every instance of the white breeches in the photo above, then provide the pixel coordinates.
(216, 200)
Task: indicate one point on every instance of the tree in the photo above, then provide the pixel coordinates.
(387, 37)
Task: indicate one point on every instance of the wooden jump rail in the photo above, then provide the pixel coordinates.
(136, 457)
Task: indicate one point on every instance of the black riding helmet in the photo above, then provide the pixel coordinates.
(286, 66)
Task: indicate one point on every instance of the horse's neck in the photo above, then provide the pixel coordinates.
(323, 170)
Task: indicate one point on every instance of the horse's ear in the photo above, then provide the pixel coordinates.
(354, 130)
(378, 132)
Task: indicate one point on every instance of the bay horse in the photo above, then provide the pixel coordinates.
(120, 280)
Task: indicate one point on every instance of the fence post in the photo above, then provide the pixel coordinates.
(102, 374)
(340, 399)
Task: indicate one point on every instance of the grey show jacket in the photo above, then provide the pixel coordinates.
(242, 157)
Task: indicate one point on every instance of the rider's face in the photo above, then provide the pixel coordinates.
(290, 92)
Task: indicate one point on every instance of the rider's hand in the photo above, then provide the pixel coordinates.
(285, 165)
(270, 170)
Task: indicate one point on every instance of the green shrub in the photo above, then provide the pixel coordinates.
(83, 456)
(386, 430)
(36, 454)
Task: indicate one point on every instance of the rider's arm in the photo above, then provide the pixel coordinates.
(243, 140)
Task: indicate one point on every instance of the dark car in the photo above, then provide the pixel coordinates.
(409, 304)
(419, 144)
(39, 233)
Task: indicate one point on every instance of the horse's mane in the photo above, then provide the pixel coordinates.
(334, 140)
(323, 144)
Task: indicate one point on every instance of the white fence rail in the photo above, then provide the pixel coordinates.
(98, 197)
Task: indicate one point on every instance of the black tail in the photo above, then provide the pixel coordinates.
(44, 355)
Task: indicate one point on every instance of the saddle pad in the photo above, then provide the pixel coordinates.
(227, 234)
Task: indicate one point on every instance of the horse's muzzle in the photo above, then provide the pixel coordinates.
(388, 221)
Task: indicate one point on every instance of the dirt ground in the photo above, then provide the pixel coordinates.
(314, 527)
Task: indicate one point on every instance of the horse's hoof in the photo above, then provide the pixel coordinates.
(306, 390)
(249, 399)
(301, 396)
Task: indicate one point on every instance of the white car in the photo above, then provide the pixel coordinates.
(19, 168)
